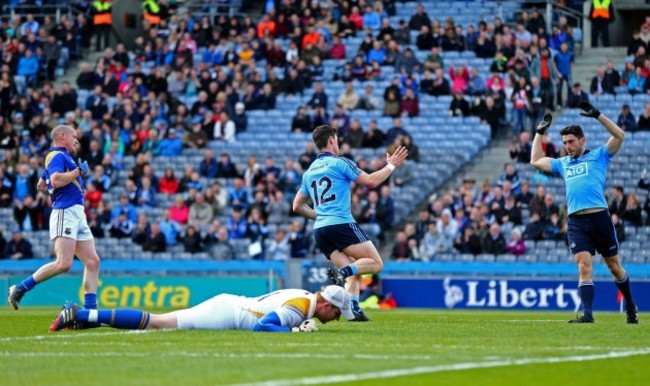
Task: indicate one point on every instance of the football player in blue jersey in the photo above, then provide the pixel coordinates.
(69, 229)
(590, 227)
(327, 184)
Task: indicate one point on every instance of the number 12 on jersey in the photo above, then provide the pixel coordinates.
(323, 185)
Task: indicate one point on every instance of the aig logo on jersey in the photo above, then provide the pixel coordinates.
(576, 171)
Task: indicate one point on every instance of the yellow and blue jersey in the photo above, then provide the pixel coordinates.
(327, 183)
(58, 160)
(584, 178)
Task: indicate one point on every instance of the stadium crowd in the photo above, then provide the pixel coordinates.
(162, 97)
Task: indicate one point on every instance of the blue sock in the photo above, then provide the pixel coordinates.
(586, 291)
(124, 319)
(27, 284)
(623, 285)
(349, 270)
(90, 301)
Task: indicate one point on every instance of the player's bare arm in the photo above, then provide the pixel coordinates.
(393, 161)
(537, 158)
(62, 179)
(301, 206)
(617, 134)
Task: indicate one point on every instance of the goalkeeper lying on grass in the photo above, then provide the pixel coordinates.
(289, 310)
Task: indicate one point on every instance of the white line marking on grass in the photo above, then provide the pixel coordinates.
(187, 354)
(447, 367)
(80, 335)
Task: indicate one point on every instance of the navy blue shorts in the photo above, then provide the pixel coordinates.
(593, 232)
(337, 237)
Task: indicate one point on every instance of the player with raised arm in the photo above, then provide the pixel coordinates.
(69, 229)
(327, 184)
(590, 227)
(289, 310)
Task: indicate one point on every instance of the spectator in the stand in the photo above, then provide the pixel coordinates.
(564, 64)
(410, 105)
(459, 107)
(237, 225)
(374, 137)
(319, 98)
(548, 208)
(192, 241)
(227, 168)
(239, 195)
(632, 212)
(617, 201)
(266, 99)
(337, 51)
(156, 241)
(401, 251)
(146, 194)
(626, 119)
(368, 101)
(601, 84)
(516, 244)
(576, 95)
(349, 99)
(522, 149)
(468, 242)
(636, 42)
(475, 83)
(424, 40)
(96, 103)
(171, 145)
(168, 184)
(395, 131)
(224, 128)
(279, 248)
(644, 119)
(636, 82)
(494, 242)
(419, 19)
(179, 211)
(239, 118)
(208, 167)
(122, 227)
(535, 228)
(355, 135)
(391, 104)
(86, 77)
(555, 228)
(447, 226)
(301, 121)
(433, 242)
(142, 229)
(124, 206)
(201, 213)
(18, 247)
(407, 63)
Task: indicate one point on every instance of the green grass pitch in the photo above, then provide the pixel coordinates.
(399, 347)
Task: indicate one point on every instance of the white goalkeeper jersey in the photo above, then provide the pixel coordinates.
(293, 306)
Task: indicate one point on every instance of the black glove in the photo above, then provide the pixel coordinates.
(589, 110)
(544, 124)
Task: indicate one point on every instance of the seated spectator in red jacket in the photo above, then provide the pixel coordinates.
(168, 183)
(410, 105)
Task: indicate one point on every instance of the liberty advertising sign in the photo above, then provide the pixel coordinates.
(506, 294)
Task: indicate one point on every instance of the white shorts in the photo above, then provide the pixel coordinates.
(71, 223)
(222, 312)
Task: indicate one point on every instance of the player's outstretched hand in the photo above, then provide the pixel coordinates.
(83, 165)
(398, 157)
(308, 325)
(589, 110)
(543, 126)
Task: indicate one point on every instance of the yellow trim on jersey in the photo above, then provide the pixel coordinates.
(299, 304)
(49, 157)
(257, 313)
